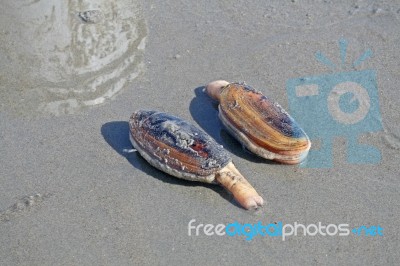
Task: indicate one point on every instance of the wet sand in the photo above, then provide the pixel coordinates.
(70, 195)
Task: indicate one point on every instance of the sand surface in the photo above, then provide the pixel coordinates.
(69, 195)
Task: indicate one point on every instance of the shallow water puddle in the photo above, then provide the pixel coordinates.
(57, 57)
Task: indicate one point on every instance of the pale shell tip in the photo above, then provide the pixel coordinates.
(214, 88)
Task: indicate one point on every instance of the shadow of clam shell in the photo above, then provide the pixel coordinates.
(116, 134)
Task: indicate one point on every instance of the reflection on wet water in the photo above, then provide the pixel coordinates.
(59, 56)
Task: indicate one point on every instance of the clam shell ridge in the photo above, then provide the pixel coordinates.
(176, 146)
(262, 125)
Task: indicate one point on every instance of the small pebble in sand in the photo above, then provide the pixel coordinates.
(91, 16)
(177, 56)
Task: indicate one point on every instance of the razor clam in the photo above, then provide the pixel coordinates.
(180, 149)
(259, 123)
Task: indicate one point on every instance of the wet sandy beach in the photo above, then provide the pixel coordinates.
(69, 81)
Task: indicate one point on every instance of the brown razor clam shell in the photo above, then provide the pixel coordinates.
(176, 147)
(262, 125)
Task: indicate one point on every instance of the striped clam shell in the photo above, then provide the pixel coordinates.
(176, 146)
(262, 125)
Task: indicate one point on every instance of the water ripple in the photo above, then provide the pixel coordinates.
(57, 57)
